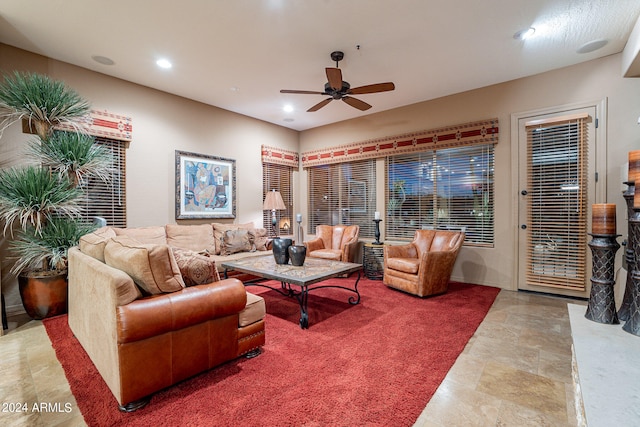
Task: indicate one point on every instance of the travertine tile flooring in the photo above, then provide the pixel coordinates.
(515, 371)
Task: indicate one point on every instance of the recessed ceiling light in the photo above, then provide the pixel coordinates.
(234, 89)
(163, 63)
(288, 119)
(592, 45)
(524, 34)
(288, 108)
(102, 60)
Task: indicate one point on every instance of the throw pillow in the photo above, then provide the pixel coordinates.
(152, 267)
(93, 244)
(236, 241)
(260, 238)
(196, 269)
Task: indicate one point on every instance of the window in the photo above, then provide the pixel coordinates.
(108, 199)
(343, 193)
(278, 177)
(449, 188)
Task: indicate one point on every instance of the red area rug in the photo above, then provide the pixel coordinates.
(376, 364)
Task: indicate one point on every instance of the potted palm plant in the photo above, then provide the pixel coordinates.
(41, 203)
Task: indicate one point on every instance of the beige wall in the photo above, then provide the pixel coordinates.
(163, 123)
(591, 81)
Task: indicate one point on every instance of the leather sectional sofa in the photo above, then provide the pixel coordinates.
(149, 309)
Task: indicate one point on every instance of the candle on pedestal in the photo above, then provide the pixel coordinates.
(634, 166)
(603, 219)
(376, 215)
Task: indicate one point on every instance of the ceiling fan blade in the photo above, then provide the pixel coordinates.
(334, 76)
(378, 87)
(319, 105)
(356, 103)
(304, 92)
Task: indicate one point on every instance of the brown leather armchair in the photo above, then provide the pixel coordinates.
(424, 266)
(334, 242)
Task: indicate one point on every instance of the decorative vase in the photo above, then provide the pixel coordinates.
(297, 253)
(44, 295)
(281, 250)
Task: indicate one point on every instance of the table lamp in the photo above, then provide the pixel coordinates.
(272, 202)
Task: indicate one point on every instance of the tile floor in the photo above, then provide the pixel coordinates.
(515, 371)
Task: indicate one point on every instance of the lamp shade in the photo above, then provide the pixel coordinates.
(273, 201)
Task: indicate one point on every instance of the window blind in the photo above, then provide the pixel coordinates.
(444, 189)
(278, 177)
(556, 198)
(108, 199)
(343, 193)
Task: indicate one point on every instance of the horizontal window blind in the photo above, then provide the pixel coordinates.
(108, 199)
(443, 189)
(343, 193)
(278, 177)
(557, 203)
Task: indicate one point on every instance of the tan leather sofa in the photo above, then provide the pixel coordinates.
(424, 266)
(334, 242)
(142, 327)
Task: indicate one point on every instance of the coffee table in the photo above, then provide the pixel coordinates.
(314, 271)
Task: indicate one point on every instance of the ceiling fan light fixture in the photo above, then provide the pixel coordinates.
(524, 33)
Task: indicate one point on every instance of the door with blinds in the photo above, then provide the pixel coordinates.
(557, 187)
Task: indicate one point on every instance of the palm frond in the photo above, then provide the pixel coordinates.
(32, 195)
(49, 246)
(72, 154)
(38, 98)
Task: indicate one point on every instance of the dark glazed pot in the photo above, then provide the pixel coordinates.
(281, 250)
(297, 253)
(44, 296)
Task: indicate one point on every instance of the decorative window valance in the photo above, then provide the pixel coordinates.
(475, 133)
(108, 125)
(280, 156)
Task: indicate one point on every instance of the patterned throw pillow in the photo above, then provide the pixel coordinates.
(196, 269)
(233, 241)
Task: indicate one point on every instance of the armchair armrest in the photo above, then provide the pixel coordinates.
(314, 244)
(349, 250)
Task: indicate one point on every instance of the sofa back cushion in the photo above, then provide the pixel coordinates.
(197, 238)
(152, 267)
(93, 244)
(154, 235)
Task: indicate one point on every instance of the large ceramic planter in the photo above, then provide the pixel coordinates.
(44, 295)
(280, 249)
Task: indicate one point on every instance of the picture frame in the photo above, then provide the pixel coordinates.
(357, 196)
(205, 186)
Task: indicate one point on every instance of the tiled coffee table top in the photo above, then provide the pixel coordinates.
(314, 269)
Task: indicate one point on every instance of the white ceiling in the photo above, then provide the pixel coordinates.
(238, 54)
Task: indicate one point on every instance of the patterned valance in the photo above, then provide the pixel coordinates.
(476, 133)
(108, 125)
(280, 156)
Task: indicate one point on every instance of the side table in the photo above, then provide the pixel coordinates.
(373, 261)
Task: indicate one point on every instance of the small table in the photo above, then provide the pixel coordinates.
(373, 260)
(313, 271)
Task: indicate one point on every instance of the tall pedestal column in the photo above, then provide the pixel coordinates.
(602, 304)
(625, 307)
(632, 325)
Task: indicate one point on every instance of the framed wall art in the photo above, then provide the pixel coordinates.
(205, 186)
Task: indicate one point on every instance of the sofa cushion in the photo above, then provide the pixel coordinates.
(406, 265)
(198, 238)
(332, 254)
(254, 311)
(152, 267)
(93, 244)
(155, 235)
(196, 269)
(234, 241)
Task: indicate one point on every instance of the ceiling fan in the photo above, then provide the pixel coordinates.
(336, 88)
